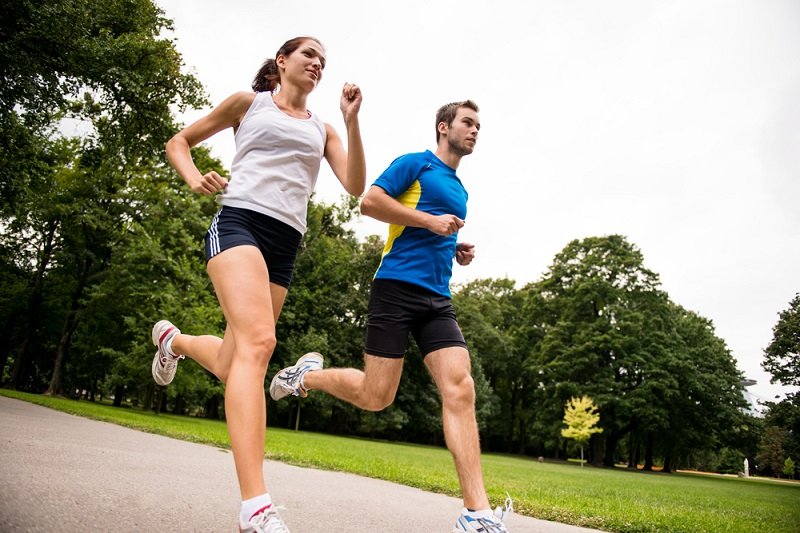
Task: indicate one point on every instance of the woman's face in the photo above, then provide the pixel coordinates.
(304, 66)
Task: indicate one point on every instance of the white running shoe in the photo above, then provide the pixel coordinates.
(266, 521)
(489, 524)
(289, 381)
(164, 364)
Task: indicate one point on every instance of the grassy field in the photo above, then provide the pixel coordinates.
(607, 499)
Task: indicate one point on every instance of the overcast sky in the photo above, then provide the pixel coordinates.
(676, 124)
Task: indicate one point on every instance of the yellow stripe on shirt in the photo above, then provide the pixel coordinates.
(410, 199)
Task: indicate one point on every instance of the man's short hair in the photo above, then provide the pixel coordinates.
(447, 113)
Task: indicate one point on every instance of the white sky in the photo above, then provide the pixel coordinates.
(674, 123)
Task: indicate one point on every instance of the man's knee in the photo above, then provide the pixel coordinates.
(377, 401)
(460, 392)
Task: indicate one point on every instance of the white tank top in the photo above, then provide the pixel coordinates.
(276, 164)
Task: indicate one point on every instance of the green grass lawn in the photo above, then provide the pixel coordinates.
(608, 499)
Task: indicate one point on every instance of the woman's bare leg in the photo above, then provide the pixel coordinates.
(249, 302)
(215, 354)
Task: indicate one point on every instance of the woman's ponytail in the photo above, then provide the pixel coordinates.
(268, 77)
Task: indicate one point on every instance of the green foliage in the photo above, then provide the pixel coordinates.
(69, 205)
(597, 324)
(730, 461)
(786, 415)
(771, 455)
(157, 271)
(782, 356)
(788, 467)
(101, 60)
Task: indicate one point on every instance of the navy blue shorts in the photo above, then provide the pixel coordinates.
(397, 308)
(277, 241)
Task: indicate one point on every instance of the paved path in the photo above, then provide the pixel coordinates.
(62, 473)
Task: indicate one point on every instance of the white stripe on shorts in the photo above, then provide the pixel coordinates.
(213, 236)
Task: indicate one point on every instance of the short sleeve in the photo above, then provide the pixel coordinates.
(400, 174)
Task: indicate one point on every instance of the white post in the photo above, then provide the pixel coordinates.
(746, 468)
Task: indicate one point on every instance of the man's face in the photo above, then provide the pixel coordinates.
(462, 134)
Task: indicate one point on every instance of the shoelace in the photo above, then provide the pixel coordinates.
(503, 512)
(169, 362)
(488, 525)
(270, 522)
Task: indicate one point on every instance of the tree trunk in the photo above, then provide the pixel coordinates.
(512, 418)
(70, 323)
(667, 463)
(118, 392)
(148, 395)
(34, 307)
(611, 449)
(211, 409)
(179, 405)
(648, 453)
(160, 401)
(523, 435)
(596, 452)
(633, 451)
(5, 341)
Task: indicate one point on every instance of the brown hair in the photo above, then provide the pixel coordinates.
(447, 113)
(268, 76)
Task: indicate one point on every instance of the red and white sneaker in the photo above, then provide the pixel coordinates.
(267, 520)
(164, 363)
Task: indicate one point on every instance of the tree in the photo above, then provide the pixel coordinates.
(771, 456)
(100, 60)
(581, 418)
(706, 409)
(786, 415)
(69, 201)
(782, 356)
(788, 468)
(589, 320)
(598, 324)
(156, 270)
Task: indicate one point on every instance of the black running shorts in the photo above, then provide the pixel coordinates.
(397, 308)
(277, 241)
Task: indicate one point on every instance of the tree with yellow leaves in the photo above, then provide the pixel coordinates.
(581, 418)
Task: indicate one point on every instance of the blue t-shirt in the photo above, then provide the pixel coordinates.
(417, 255)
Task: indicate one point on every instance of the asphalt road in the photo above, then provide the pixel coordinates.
(62, 473)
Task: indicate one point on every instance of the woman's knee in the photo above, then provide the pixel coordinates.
(257, 347)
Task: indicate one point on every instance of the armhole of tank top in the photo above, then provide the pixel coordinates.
(248, 113)
(324, 134)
